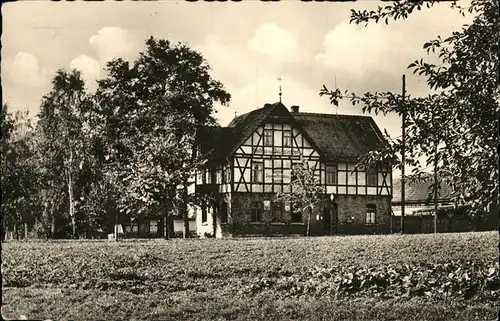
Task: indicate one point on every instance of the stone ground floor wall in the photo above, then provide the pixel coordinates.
(345, 215)
(352, 214)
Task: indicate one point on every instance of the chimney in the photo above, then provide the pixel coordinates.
(295, 109)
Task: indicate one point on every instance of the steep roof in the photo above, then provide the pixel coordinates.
(341, 137)
(418, 192)
(223, 141)
(338, 137)
(215, 142)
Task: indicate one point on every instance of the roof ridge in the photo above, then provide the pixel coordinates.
(325, 114)
(245, 115)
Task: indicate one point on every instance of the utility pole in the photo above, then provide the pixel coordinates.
(403, 158)
(435, 188)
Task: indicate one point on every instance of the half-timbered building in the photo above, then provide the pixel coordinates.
(251, 160)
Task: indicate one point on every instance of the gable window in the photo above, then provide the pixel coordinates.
(371, 176)
(371, 211)
(268, 137)
(257, 172)
(257, 212)
(277, 211)
(287, 138)
(331, 175)
(223, 213)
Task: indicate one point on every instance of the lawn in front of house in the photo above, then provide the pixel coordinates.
(391, 277)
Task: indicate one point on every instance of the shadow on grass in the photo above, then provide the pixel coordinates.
(189, 305)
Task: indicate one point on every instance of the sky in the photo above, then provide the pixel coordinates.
(248, 44)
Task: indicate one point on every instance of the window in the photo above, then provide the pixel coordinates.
(293, 174)
(203, 214)
(257, 172)
(268, 137)
(287, 138)
(371, 210)
(257, 212)
(226, 175)
(331, 175)
(277, 175)
(207, 176)
(277, 210)
(143, 227)
(371, 176)
(224, 213)
(296, 214)
(153, 226)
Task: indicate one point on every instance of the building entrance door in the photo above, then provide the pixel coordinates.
(335, 218)
(327, 221)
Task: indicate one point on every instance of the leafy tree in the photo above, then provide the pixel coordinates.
(455, 127)
(61, 143)
(151, 110)
(305, 191)
(18, 174)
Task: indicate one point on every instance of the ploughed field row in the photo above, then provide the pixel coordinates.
(436, 266)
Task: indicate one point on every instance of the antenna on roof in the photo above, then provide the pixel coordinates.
(280, 93)
(336, 107)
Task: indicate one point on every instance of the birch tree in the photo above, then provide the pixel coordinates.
(305, 191)
(61, 147)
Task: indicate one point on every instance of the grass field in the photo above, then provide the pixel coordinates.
(410, 277)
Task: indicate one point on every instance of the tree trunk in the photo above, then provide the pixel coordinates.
(71, 204)
(171, 229)
(492, 218)
(116, 230)
(16, 233)
(70, 193)
(166, 233)
(214, 220)
(52, 225)
(309, 222)
(25, 230)
(185, 209)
